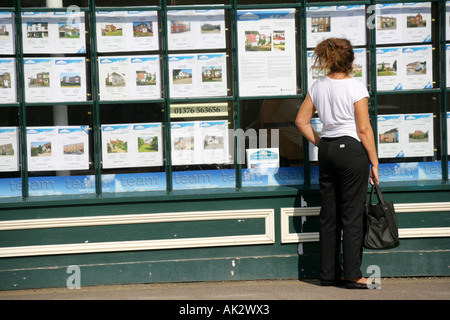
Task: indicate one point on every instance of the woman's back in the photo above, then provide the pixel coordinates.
(334, 101)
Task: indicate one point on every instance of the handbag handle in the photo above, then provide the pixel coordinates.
(376, 188)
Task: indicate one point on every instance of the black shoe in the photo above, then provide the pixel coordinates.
(335, 283)
(355, 285)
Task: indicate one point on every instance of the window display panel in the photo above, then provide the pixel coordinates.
(120, 3)
(60, 150)
(196, 29)
(7, 33)
(202, 145)
(347, 21)
(267, 52)
(8, 81)
(10, 180)
(132, 148)
(272, 143)
(409, 137)
(403, 22)
(121, 31)
(53, 32)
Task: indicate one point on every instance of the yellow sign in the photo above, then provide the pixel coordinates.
(191, 110)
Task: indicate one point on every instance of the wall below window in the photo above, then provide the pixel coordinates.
(240, 237)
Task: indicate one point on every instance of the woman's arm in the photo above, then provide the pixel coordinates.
(365, 133)
(303, 119)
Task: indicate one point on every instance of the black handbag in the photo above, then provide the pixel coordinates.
(381, 226)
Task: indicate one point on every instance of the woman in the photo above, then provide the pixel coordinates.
(346, 151)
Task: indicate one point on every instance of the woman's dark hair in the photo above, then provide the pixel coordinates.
(335, 55)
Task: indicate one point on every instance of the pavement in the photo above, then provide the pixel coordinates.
(418, 288)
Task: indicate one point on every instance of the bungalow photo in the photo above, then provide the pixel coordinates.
(117, 146)
(182, 76)
(143, 29)
(148, 144)
(416, 68)
(387, 69)
(207, 28)
(41, 149)
(70, 80)
(184, 143)
(115, 79)
(256, 41)
(212, 74)
(112, 30)
(69, 31)
(145, 78)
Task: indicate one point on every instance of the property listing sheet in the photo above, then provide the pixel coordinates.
(405, 135)
(9, 149)
(403, 22)
(346, 21)
(198, 75)
(132, 145)
(8, 90)
(53, 32)
(58, 148)
(400, 68)
(267, 58)
(199, 142)
(196, 29)
(122, 31)
(55, 79)
(7, 33)
(129, 77)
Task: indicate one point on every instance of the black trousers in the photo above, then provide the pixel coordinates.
(343, 177)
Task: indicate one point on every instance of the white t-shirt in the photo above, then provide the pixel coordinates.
(334, 101)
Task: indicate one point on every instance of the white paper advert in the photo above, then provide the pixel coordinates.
(123, 31)
(389, 69)
(55, 79)
(8, 91)
(200, 142)
(74, 141)
(53, 32)
(266, 46)
(196, 29)
(42, 143)
(199, 75)
(148, 144)
(58, 148)
(263, 158)
(403, 23)
(391, 135)
(129, 78)
(336, 22)
(132, 145)
(7, 33)
(9, 149)
(405, 135)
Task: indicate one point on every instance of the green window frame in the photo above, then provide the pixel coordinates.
(441, 91)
